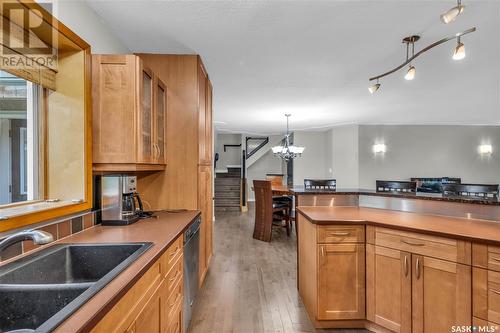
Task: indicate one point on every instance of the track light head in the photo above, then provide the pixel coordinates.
(451, 14)
(410, 74)
(373, 89)
(459, 52)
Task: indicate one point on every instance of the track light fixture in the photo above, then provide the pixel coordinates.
(410, 74)
(373, 88)
(451, 14)
(459, 53)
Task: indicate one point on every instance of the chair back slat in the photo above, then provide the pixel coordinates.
(263, 210)
(396, 186)
(320, 184)
(475, 191)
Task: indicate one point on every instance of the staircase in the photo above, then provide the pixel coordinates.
(228, 189)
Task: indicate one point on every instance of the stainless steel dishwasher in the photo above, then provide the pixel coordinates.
(191, 269)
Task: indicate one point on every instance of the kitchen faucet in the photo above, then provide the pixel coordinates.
(38, 237)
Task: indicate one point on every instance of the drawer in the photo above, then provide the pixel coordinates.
(492, 327)
(174, 275)
(486, 294)
(341, 234)
(174, 299)
(431, 246)
(172, 254)
(486, 256)
(175, 319)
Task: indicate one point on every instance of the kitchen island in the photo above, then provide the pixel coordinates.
(393, 271)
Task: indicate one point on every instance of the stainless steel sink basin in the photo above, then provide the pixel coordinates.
(39, 291)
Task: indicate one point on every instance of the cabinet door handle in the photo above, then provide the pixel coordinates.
(417, 268)
(411, 243)
(495, 291)
(340, 233)
(406, 265)
(322, 251)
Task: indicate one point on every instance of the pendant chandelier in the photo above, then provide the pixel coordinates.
(287, 151)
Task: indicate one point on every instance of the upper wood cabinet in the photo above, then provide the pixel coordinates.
(205, 116)
(129, 115)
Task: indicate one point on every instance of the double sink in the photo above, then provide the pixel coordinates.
(39, 291)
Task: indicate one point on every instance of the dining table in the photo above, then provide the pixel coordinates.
(280, 189)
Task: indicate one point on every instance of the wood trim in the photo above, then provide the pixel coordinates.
(122, 167)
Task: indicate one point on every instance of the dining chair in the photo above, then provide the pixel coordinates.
(268, 214)
(320, 184)
(396, 186)
(473, 191)
(276, 179)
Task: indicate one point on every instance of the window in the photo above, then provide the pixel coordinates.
(19, 140)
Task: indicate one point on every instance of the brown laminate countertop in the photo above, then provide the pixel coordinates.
(469, 229)
(161, 231)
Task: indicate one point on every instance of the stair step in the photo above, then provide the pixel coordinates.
(231, 194)
(227, 188)
(227, 181)
(227, 175)
(228, 209)
(227, 201)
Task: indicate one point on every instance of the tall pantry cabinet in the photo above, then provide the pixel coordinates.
(187, 181)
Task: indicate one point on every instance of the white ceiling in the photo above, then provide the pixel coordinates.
(313, 58)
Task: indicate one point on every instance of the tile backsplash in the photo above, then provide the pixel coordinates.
(59, 229)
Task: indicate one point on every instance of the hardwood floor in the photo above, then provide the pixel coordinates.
(251, 285)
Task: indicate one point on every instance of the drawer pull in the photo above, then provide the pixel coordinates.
(340, 233)
(175, 277)
(411, 243)
(176, 299)
(495, 259)
(406, 265)
(175, 252)
(495, 291)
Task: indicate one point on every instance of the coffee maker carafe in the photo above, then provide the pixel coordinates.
(120, 202)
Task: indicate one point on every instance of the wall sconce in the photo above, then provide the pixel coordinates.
(379, 148)
(485, 149)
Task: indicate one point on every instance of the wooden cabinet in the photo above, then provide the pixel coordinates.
(331, 271)
(341, 281)
(441, 295)
(187, 182)
(486, 295)
(154, 303)
(388, 283)
(407, 292)
(206, 227)
(205, 116)
(128, 115)
(205, 169)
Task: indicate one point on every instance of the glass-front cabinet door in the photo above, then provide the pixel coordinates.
(146, 150)
(160, 122)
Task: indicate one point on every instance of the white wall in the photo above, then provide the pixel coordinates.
(80, 18)
(268, 163)
(312, 163)
(342, 156)
(428, 151)
(232, 155)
